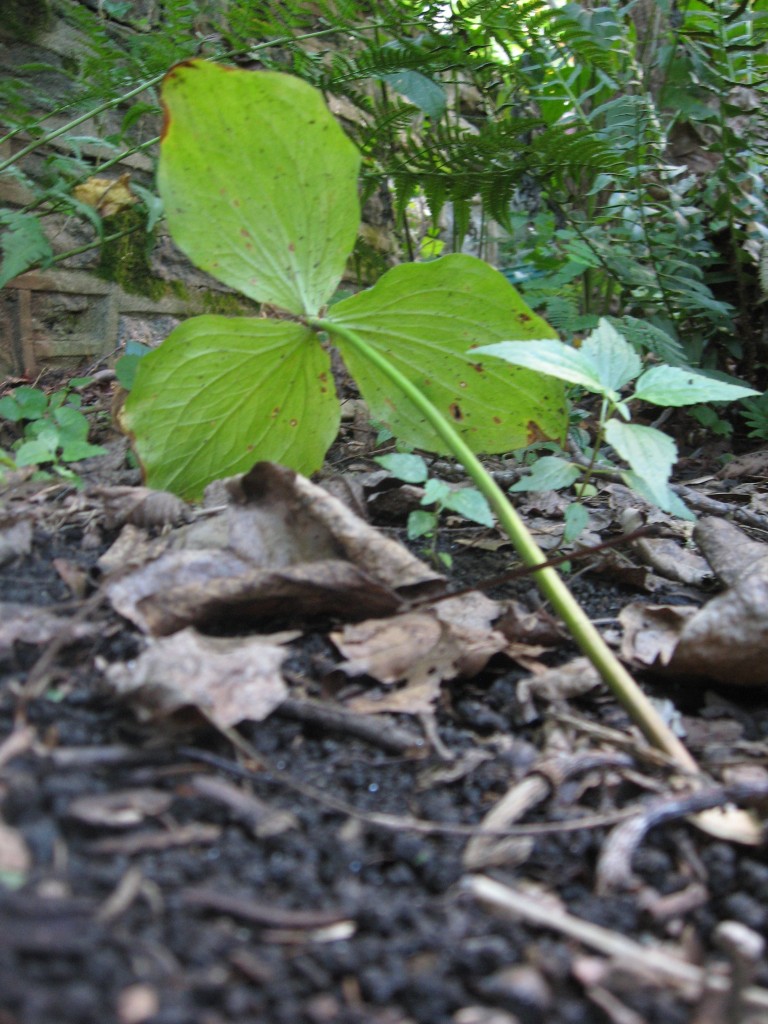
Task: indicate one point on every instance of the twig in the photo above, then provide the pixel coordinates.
(379, 731)
(614, 867)
(639, 959)
(390, 822)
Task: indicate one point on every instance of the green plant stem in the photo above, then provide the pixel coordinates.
(106, 105)
(616, 677)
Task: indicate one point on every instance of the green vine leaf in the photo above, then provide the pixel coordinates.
(241, 202)
(427, 319)
(220, 394)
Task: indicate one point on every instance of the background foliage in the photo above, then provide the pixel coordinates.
(617, 149)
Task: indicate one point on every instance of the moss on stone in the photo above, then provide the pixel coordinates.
(125, 260)
(24, 21)
(225, 303)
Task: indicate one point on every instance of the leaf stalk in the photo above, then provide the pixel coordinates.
(613, 673)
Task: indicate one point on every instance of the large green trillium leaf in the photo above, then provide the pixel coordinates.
(426, 318)
(246, 205)
(220, 394)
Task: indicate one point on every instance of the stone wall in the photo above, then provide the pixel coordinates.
(71, 313)
(81, 310)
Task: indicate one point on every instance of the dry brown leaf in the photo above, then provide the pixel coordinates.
(387, 649)
(727, 639)
(730, 552)
(281, 546)
(383, 558)
(182, 588)
(31, 624)
(107, 195)
(651, 632)
(673, 561)
(573, 679)
(15, 538)
(754, 464)
(229, 681)
(417, 697)
(133, 548)
(421, 649)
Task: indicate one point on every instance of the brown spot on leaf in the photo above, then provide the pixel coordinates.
(455, 410)
(294, 423)
(478, 367)
(275, 412)
(497, 420)
(166, 121)
(535, 433)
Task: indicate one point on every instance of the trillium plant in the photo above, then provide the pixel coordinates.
(259, 184)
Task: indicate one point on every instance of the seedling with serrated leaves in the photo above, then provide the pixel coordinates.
(55, 430)
(467, 502)
(260, 189)
(606, 364)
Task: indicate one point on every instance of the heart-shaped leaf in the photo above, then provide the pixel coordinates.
(243, 203)
(426, 318)
(220, 394)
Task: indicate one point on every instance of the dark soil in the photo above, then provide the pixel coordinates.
(202, 912)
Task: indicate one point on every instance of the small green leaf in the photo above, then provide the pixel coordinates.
(661, 496)
(423, 92)
(471, 504)
(26, 403)
(275, 221)
(650, 453)
(412, 469)
(604, 363)
(576, 522)
(71, 422)
(553, 358)
(126, 368)
(425, 319)
(611, 354)
(10, 409)
(549, 473)
(74, 451)
(436, 492)
(221, 394)
(420, 523)
(37, 450)
(672, 385)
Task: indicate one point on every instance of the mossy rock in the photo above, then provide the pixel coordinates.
(24, 21)
(125, 260)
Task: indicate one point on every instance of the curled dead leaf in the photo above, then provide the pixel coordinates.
(108, 195)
